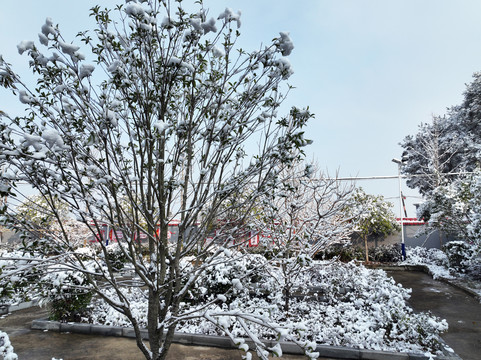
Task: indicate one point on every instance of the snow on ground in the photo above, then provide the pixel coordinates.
(332, 303)
(355, 307)
(434, 259)
(437, 261)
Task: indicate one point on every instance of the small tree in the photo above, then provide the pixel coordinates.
(163, 116)
(372, 216)
(306, 214)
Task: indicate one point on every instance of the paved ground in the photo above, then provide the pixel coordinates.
(40, 345)
(462, 311)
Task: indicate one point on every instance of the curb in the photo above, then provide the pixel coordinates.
(6, 308)
(335, 352)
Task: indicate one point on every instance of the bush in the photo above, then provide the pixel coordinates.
(6, 348)
(67, 292)
(232, 278)
(116, 256)
(343, 253)
(386, 253)
(18, 287)
(459, 255)
(70, 307)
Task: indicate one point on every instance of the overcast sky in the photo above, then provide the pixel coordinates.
(370, 70)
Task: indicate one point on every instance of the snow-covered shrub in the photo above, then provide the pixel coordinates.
(67, 293)
(357, 307)
(459, 254)
(102, 313)
(342, 253)
(367, 309)
(383, 253)
(21, 286)
(116, 256)
(434, 259)
(386, 253)
(6, 348)
(232, 278)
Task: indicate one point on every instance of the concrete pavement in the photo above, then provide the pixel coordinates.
(44, 345)
(461, 310)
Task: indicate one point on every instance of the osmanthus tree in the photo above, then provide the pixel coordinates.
(163, 112)
(372, 216)
(307, 213)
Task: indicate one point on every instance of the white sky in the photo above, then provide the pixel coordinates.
(370, 70)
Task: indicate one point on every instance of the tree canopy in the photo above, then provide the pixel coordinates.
(157, 108)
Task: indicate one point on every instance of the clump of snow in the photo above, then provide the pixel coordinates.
(52, 138)
(111, 118)
(6, 348)
(32, 140)
(43, 39)
(176, 61)
(167, 22)
(160, 126)
(209, 26)
(114, 66)
(283, 68)
(69, 49)
(24, 46)
(229, 15)
(196, 24)
(24, 97)
(134, 9)
(47, 28)
(434, 259)
(217, 52)
(285, 43)
(86, 70)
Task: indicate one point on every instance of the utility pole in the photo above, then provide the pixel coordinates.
(403, 245)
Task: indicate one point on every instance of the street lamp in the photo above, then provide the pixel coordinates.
(403, 245)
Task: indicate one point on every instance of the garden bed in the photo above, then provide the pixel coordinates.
(356, 308)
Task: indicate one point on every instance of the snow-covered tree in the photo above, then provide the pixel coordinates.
(447, 208)
(372, 216)
(306, 214)
(164, 112)
(430, 156)
(474, 225)
(455, 208)
(440, 158)
(36, 210)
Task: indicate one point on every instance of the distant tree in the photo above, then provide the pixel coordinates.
(440, 158)
(164, 116)
(430, 156)
(36, 210)
(372, 216)
(455, 208)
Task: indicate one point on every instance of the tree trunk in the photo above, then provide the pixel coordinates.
(367, 251)
(152, 328)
